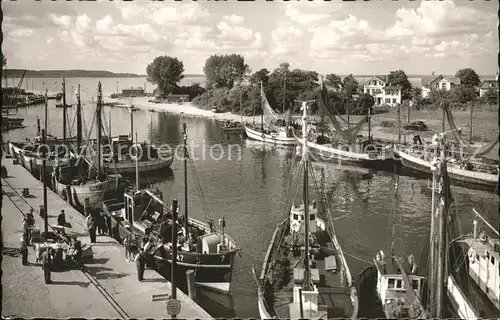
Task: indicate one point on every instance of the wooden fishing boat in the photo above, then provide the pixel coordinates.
(29, 153)
(210, 253)
(471, 286)
(347, 146)
(271, 132)
(451, 292)
(464, 172)
(304, 274)
(233, 127)
(83, 182)
(120, 158)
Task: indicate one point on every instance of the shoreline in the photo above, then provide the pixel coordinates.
(188, 109)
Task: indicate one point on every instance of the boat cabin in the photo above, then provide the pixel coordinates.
(143, 208)
(297, 218)
(391, 286)
(484, 266)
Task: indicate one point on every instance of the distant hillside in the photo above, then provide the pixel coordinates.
(17, 73)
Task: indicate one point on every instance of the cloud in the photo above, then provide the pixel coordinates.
(234, 19)
(307, 13)
(440, 19)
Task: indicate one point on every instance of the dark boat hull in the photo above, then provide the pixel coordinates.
(212, 271)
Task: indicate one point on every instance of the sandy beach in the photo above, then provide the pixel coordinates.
(186, 108)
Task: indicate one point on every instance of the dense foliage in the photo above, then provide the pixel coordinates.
(468, 78)
(399, 78)
(223, 71)
(165, 72)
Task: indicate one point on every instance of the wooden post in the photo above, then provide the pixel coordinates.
(191, 282)
(44, 175)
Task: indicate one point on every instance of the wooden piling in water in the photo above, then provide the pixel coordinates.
(190, 276)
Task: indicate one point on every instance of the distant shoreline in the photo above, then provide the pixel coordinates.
(17, 73)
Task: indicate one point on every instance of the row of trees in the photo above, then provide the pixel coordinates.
(231, 86)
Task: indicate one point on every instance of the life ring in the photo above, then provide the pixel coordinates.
(295, 226)
(472, 256)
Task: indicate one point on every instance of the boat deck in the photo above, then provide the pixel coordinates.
(477, 298)
(334, 295)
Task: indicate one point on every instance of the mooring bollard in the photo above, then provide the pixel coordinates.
(26, 192)
(191, 282)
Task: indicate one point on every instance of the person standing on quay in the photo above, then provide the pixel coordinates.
(140, 264)
(91, 225)
(46, 264)
(24, 252)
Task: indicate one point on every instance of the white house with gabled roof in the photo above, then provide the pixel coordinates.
(440, 82)
(383, 92)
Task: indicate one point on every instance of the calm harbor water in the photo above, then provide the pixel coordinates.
(250, 193)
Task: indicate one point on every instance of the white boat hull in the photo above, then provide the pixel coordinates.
(129, 166)
(270, 138)
(455, 172)
(327, 152)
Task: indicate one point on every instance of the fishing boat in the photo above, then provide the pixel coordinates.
(29, 153)
(123, 151)
(275, 131)
(468, 165)
(473, 286)
(345, 145)
(462, 278)
(234, 127)
(210, 253)
(305, 279)
(82, 181)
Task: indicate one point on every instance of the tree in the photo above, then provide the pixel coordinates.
(165, 72)
(490, 96)
(468, 78)
(365, 102)
(261, 75)
(462, 94)
(334, 81)
(349, 85)
(436, 96)
(297, 83)
(399, 78)
(224, 70)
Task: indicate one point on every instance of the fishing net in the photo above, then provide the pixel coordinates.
(269, 114)
(453, 127)
(346, 134)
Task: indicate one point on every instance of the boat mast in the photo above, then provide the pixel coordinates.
(369, 123)
(262, 108)
(64, 109)
(136, 162)
(131, 120)
(186, 155)
(241, 108)
(307, 272)
(46, 109)
(440, 266)
(78, 120)
(284, 92)
(99, 126)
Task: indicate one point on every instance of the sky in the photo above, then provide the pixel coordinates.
(359, 37)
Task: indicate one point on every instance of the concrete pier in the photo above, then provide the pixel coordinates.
(109, 279)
